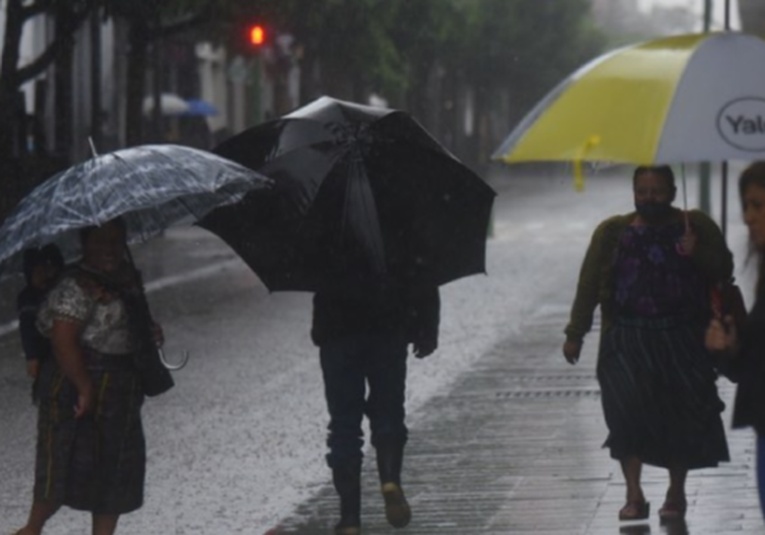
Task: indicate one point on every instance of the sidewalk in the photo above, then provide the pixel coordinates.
(515, 448)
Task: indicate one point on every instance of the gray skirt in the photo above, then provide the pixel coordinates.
(96, 463)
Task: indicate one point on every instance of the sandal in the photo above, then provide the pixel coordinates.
(673, 510)
(637, 510)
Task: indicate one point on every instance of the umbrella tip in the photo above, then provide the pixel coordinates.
(92, 146)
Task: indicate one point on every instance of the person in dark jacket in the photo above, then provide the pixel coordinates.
(363, 339)
(41, 270)
(743, 350)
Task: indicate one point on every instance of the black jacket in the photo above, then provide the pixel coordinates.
(747, 369)
(35, 345)
(381, 309)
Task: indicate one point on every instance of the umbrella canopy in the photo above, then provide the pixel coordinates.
(359, 193)
(169, 104)
(698, 97)
(151, 186)
(200, 107)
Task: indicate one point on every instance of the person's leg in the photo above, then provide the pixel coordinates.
(676, 490)
(675, 503)
(386, 374)
(38, 516)
(636, 507)
(105, 524)
(761, 470)
(346, 478)
(344, 389)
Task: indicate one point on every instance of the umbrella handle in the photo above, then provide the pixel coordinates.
(166, 363)
(173, 367)
(685, 200)
(591, 143)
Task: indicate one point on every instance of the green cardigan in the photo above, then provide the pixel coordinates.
(595, 286)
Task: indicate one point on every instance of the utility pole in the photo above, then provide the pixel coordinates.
(257, 39)
(96, 113)
(704, 167)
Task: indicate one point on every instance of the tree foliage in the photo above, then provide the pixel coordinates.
(392, 46)
(422, 55)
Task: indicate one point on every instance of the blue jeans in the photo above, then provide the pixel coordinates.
(349, 364)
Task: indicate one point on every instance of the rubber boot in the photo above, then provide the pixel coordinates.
(347, 481)
(390, 457)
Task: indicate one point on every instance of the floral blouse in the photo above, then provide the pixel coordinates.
(652, 277)
(106, 323)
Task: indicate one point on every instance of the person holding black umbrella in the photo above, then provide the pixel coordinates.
(371, 214)
(363, 336)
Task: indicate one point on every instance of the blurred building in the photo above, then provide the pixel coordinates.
(227, 90)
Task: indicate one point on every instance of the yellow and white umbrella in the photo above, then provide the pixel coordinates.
(698, 97)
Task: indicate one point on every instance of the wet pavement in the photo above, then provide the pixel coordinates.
(505, 437)
(514, 448)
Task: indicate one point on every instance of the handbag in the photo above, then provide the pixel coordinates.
(155, 377)
(726, 299)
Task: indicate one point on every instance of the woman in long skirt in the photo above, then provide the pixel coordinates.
(651, 271)
(91, 454)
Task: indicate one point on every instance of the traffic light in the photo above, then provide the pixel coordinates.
(257, 35)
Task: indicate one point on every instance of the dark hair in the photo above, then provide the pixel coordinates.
(85, 231)
(754, 175)
(663, 171)
(47, 255)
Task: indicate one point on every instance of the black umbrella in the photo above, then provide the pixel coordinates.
(360, 193)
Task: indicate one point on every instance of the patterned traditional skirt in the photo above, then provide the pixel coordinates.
(96, 463)
(659, 394)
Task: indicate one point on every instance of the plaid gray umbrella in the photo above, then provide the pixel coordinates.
(151, 186)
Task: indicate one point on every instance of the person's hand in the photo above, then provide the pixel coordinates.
(721, 335)
(157, 335)
(423, 348)
(85, 401)
(687, 243)
(33, 368)
(571, 350)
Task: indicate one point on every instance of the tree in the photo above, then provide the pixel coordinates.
(512, 53)
(424, 33)
(324, 30)
(428, 56)
(69, 16)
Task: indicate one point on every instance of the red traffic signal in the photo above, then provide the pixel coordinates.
(257, 35)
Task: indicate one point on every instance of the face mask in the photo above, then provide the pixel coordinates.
(652, 209)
